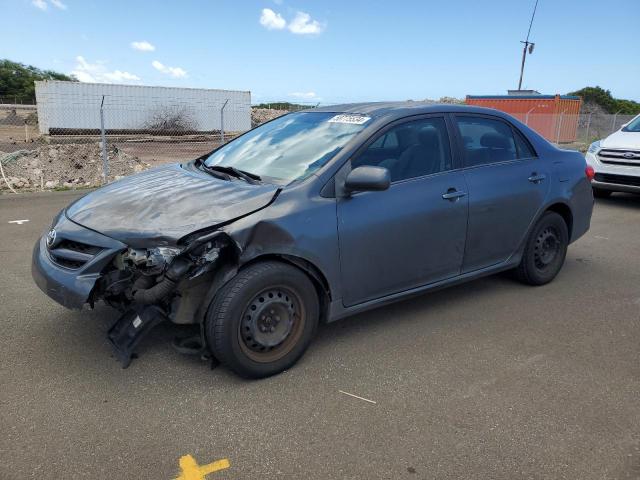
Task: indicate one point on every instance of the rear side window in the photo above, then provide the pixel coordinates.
(524, 149)
(486, 141)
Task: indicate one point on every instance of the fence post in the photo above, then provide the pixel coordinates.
(588, 125)
(613, 124)
(222, 121)
(559, 127)
(105, 159)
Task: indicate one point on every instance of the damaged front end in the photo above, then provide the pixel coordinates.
(151, 285)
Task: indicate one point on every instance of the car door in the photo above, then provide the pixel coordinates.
(507, 188)
(413, 233)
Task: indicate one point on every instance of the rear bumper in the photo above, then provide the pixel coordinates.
(71, 287)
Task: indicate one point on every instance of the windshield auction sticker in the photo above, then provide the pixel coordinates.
(352, 119)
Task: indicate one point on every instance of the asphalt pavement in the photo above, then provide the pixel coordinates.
(491, 379)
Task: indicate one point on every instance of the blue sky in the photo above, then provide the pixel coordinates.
(330, 50)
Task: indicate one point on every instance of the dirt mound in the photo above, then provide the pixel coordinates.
(65, 165)
(261, 115)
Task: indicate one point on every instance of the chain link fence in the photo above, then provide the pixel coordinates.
(93, 139)
(83, 141)
(574, 131)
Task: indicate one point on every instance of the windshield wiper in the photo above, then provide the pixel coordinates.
(221, 175)
(249, 177)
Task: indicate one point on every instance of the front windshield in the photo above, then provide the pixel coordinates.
(633, 125)
(291, 147)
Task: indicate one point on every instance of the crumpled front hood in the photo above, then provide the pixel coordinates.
(161, 205)
(622, 140)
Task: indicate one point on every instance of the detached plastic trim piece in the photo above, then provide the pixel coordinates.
(130, 328)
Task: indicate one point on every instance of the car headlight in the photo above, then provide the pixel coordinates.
(151, 259)
(594, 147)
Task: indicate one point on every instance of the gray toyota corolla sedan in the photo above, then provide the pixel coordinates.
(312, 217)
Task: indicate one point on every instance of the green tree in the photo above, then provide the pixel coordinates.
(16, 79)
(283, 106)
(604, 98)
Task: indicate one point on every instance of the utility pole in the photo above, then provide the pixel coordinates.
(527, 46)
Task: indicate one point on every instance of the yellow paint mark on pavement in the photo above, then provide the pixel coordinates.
(192, 471)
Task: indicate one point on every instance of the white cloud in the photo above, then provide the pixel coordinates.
(118, 76)
(98, 73)
(305, 95)
(43, 5)
(272, 20)
(58, 4)
(143, 46)
(175, 72)
(303, 24)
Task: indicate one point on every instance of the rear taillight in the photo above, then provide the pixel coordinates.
(590, 172)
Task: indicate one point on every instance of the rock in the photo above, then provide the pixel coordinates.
(261, 115)
(69, 164)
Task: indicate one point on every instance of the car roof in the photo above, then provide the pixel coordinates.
(402, 109)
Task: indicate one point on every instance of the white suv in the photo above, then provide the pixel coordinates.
(616, 161)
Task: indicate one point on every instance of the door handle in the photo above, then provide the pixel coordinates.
(535, 178)
(453, 195)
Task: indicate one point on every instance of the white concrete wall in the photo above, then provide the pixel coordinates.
(76, 105)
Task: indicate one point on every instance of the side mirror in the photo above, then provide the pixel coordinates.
(367, 179)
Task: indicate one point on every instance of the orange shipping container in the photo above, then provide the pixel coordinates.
(555, 117)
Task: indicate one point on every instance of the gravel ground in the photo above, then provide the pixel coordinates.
(490, 379)
(69, 165)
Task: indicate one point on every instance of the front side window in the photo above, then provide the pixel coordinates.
(291, 147)
(486, 140)
(410, 150)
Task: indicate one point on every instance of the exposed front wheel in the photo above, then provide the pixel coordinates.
(263, 320)
(545, 250)
(599, 193)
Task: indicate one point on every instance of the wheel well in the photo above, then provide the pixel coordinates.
(314, 273)
(565, 212)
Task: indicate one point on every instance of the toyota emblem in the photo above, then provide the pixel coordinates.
(51, 237)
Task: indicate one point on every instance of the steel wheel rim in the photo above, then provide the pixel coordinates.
(547, 248)
(271, 325)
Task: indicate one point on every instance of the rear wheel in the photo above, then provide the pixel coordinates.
(599, 193)
(263, 320)
(545, 250)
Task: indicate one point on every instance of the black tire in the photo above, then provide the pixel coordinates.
(599, 193)
(262, 321)
(545, 250)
